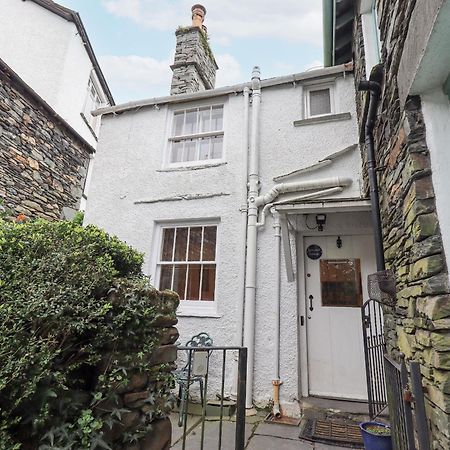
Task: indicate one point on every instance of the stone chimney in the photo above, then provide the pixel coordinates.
(194, 67)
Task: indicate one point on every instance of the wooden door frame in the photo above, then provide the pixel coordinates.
(302, 335)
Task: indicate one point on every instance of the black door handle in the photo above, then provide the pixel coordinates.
(310, 302)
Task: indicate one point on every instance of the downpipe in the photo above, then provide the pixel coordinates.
(243, 232)
(243, 210)
(252, 219)
(374, 90)
(276, 382)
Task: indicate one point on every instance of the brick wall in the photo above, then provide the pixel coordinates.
(43, 163)
(419, 325)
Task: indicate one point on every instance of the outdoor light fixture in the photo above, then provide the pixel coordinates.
(339, 242)
(320, 220)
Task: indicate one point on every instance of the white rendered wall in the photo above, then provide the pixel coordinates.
(436, 112)
(128, 167)
(46, 51)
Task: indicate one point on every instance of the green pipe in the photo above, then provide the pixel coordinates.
(328, 32)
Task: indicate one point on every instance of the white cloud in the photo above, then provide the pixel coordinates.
(136, 76)
(142, 77)
(294, 20)
(229, 70)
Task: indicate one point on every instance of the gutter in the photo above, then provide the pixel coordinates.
(374, 89)
(72, 16)
(235, 89)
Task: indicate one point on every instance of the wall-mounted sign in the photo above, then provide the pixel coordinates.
(314, 251)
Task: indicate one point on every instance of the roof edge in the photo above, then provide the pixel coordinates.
(8, 72)
(72, 16)
(234, 89)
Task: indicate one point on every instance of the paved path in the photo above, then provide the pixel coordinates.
(260, 436)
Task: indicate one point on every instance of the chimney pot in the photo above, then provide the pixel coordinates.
(198, 15)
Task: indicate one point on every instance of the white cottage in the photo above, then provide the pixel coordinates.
(246, 200)
(47, 45)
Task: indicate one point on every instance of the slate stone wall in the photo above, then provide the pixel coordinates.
(419, 324)
(147, 395)
(43, 164)
(194, 67)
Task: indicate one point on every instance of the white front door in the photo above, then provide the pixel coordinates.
(335, 287)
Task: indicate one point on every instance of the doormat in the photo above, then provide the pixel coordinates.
(332, 432)
(284, 420)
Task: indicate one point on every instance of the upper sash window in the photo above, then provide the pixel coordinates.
(197, 135)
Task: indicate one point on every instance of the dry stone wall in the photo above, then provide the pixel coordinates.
(419, 324)
(145, 396)
(43, 164)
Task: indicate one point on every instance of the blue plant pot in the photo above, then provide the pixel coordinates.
(375, 441)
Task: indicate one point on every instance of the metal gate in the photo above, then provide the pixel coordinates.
(374, 350)
(399, 407)
(381, 287)
(205, 366)
(406, 405)
(387, 379)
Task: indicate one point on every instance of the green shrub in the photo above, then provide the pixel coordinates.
(60, 316)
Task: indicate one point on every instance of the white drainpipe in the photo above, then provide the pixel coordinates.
(277, 269)
(252, 219)
(243, 209)
(299, 186)
(243, 245)
(312, 195)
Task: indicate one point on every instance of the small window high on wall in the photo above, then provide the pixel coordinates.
(197, 135)
(187, 261)
(319, 101)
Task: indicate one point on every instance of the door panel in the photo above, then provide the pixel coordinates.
(335, 346)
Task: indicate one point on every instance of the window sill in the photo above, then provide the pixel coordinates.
(198, 309)
(193, 167)
(323, 119)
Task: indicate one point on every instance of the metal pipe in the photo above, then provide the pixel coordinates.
(252, 219)
(243, 209)
(243, 233)
(283, 188)
(374, 90)
(311, 195)
(277, 269)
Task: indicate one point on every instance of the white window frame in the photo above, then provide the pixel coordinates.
(93, 121)
(170, 138)
(318, 87)
(196, 308)
(371, 34)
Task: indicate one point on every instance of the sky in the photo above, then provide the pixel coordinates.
(134, 40)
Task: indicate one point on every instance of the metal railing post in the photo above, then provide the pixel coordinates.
(240, 412)
(419, 406)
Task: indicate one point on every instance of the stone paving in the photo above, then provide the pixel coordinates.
(259, 436)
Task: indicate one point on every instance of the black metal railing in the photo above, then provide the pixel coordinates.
(381, 288)
(400, 412)
(406, 405)
(212, 365)
(374, 350)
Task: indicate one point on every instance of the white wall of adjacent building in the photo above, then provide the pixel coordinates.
(130, 181)
(436, 112)
(47, 52)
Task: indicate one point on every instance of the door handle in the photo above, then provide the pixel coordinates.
(311, 308)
